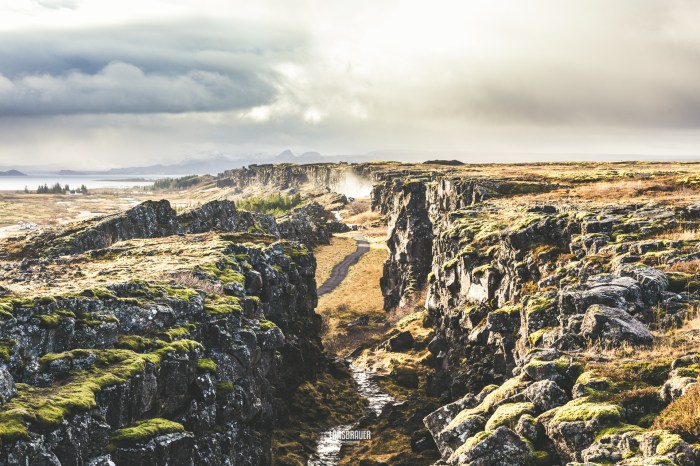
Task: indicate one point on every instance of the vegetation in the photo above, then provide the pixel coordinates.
(59, 189)
(274, 204)
(182, 183)
(682, 416)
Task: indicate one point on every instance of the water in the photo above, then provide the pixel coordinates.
(369, 388)
(330, 441)
(17, 183)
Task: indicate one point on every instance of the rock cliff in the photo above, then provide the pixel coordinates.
(185, 351)
(519, 295)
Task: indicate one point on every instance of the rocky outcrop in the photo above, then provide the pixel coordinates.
(291, 177)
(223, 216)
(150, 372)
(308, 224)
(515, 292)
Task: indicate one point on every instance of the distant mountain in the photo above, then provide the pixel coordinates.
(218, 163)
(12, 173)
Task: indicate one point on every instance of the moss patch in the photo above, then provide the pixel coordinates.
(143, 431)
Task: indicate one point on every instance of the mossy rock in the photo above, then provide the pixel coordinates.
(582, 409)
(508, 415)
(143, 431)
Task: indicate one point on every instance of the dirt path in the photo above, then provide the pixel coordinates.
(340, 270)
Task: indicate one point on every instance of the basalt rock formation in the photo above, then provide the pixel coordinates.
(185, 353)
(518, 294)
(307, 224)
(283, 177)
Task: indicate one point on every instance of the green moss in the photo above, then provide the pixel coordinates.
(134, 343)
(99, 293)
(535, 305)
(6, 346)
(667, 441)
(223, 271)
(509, 310)
(278, 268)
(154, 290)
(476, 439)
(206, 365)
(96, 320)
(177, 333)
(267, 325)
(535, 337)
(294, 251)
(581, 409)
(6, 310)
(49, 406)
(450, 264)
(508, 414)
(691, 371)
(216, 305)
(49, 320)
(224, 387)
(482, 269)
(144, 430)
(618, 429)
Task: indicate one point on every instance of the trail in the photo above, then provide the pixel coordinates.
(330, 441)
(340, 270)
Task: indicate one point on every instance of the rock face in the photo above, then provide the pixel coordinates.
(515, 292)
(307, 224)
(150, 372)
(285, 177)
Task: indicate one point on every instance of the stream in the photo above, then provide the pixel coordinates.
(331, 441)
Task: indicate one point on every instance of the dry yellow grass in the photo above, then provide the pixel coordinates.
(363, 218)
(146, 259)
(692, 267)
(358, 295)
(679, 234)
(329, 255)
(682, 416)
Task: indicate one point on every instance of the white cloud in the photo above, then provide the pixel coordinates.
(503, 75)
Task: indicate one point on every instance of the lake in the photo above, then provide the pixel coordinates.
(17, 183)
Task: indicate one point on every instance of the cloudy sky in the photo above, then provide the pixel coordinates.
(91, 83)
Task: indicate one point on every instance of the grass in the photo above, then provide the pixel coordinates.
(682, 416)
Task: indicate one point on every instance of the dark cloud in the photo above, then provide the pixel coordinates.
(148, 68)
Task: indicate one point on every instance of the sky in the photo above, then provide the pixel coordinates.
(98, 84)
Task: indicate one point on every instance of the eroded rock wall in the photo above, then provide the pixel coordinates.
(142, 373)
(517, 293)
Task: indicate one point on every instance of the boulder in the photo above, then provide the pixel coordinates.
(612, 327)
(502, 446)
(546, 395)
(675, 387)
(606, 289)
(401, 342)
